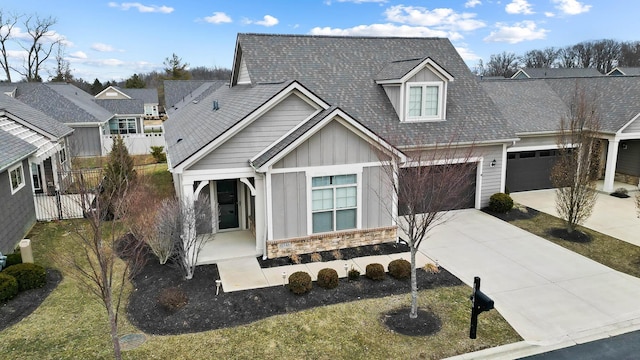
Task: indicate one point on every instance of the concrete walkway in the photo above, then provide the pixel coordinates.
(550, 295)
(612, 216)
(245, 273)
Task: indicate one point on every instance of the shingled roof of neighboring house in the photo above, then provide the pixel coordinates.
(34, 118)
(198, 123)
(63, 102)
(122, 106)
(176, 91)
(542, 73)
(342, 70)
(13, 149)
(148, 96)
(624, 71)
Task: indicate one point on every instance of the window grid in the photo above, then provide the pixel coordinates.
(334, 203)
(424, 101)
(16, 177)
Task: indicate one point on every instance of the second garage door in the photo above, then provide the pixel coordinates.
(530, 170)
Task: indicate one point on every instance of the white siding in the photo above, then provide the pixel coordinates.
(393, 93)
(237, 151)
(634, 127)
(243, 75)
(491, 176)
(548, 141)
(424, 75)
(377, 198)
(289, 205)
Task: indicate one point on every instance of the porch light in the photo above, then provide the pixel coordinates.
(493, 163)
(218, 283)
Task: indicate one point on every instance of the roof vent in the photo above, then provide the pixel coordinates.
(216, 106)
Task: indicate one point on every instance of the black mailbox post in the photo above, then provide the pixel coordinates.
(481, 303)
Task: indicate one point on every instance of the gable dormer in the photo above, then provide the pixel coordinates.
(112, 92)
(417, 88)
(239, 73)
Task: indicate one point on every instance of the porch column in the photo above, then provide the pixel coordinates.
(610, 170)
(260, 215)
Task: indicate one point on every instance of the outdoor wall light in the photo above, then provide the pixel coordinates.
(493, 163)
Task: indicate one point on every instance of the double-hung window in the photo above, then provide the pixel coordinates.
(334, 202)
(16, 177)
(424, 101)
(123, 126)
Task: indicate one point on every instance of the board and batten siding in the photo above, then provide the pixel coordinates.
(243, 75)
(289, 199)
(377, 198)
(393, 93)
(628, 162)
(85, 141)
(424, 75)
(261, 133)
(334, 144)
(17, 213)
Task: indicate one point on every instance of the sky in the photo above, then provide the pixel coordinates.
(112, 40)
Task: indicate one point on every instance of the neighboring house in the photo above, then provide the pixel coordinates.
(543, 73)
(624, 71)
(535, 107)
(148, 97)
(291, 148)
(179, 92)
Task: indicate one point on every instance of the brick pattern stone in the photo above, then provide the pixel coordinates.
(331, 241)
(627, 179)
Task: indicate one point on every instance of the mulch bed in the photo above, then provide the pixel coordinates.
(427, 323)
(26, 302)
(206, 311)
(517, 213)
(574, 236)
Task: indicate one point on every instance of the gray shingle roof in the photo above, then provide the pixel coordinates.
(397, 69)
(196, 124)
(176, 91)
(13, 149)
(541, 73)
(148, 96)
(122, 106)
(63, 102)
(627, 70)
(35, 118)
(341, 70)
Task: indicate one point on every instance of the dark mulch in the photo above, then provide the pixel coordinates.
(574, 236)
(206, 311)
(427, 323)
(344, 254)
(26, 302)
(620, 195)
(517, 213)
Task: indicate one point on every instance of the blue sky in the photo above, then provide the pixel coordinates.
(113, 40)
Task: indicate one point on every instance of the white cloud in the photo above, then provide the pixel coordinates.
(441, 18)
(267, 21)
(571, 7)
(102, 47)
(142, 8)
(218, 18)
(519, 7)
(472, 3)
(549, 14)
(467, 54)
(384, 30)
(523, 31)
(78, 55)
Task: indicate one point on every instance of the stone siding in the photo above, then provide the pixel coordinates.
(331, 241)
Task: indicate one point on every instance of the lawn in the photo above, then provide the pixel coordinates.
(71, 324)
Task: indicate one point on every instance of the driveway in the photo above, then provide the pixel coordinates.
(611, 215)
(548, 294)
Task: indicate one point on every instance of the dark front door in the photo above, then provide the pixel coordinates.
(227, 191)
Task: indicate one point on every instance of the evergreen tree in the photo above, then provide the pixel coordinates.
(134, 82)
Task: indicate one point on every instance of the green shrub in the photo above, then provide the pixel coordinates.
(328, 278)
(172, 298)
(400, 269)
(374, 271)
(8, 287)
(29, 276)
(353, 275)
(300, 282)
(158, 155)
(500, 203)
(14, 259)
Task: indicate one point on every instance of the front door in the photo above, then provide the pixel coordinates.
(227, 192)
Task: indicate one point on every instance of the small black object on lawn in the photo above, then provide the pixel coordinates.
(481, 303)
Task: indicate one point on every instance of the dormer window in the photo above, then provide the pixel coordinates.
(424, 101)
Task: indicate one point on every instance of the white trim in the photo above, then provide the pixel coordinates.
(619, 132)
(23, 183)
(111, 87)
(199, 188)
(315, 168)
(426, 63)
(246, 121)
(478, 192)
(533, 148)
(440, 111)
(252, 189)
(218, 174)
(269, 195)
(503, 171)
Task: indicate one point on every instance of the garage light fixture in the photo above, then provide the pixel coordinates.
(493, 163)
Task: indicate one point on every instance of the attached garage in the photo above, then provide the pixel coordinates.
(530, 170)
(458, 188)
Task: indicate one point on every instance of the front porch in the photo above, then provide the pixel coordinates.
(228, 245)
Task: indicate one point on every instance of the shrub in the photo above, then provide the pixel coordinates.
(374, 271)
(400, 269)
(337, 254)
(353, 274)
(172, 298)
(621, 191)
(158, 155)
(29, 276)
(431, 268)
(500, 203)
(328, 278)
(8, 287)
(295, 258)
(300, 282)
(14, 259)
(316, 257)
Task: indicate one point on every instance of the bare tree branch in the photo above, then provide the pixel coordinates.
(7, 23)
(40, 46)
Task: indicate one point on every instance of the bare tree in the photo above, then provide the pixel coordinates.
(39, 46)
(63, 67)
(428, 185)
(568, 57)
(504, 64)
(7, 23)
(198, 227)
(629, 54)
(576, 169)
(605, 54)
(540, 58)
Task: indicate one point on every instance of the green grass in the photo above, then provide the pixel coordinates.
(607, 250)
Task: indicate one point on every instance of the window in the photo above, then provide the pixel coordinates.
(424, 101)
(123, 126)
(334, 202)
(16, 177)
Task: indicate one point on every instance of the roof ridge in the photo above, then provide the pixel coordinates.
(344, 36)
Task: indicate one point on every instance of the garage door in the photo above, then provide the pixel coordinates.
(530, 170)
(460, 194)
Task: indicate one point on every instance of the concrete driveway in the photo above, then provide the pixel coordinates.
(549, 295)
(612, 216)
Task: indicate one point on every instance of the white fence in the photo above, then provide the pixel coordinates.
(137, 144)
